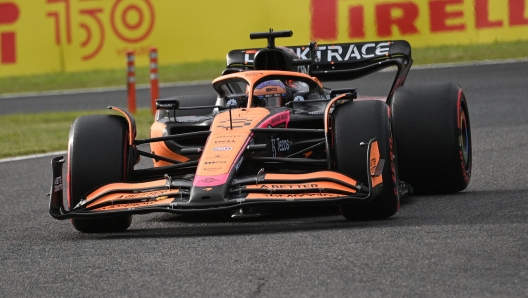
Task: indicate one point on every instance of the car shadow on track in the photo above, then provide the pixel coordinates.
(283, 221)
(465, 208)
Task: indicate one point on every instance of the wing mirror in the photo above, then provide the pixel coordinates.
(170, 103)
(352, 93)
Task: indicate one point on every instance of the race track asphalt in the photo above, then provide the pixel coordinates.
(469, 244)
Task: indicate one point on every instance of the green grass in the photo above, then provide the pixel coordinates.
(449, 54)
(208, 70)
(48, 132)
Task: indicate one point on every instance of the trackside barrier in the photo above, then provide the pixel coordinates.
(79, 35)
(154, 78)
(131, 82)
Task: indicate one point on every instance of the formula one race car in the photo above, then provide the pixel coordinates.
(273, 137)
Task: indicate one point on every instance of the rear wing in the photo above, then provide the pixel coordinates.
(344, 61)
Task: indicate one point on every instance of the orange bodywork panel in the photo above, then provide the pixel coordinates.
(125, 186)
(316, 175)
(159, 148)
(317, 184)
(374, 160)
(135, 205)
(116, 192)
(154, 195)
(225, 144)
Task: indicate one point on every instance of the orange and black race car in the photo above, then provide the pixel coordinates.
(272, 137)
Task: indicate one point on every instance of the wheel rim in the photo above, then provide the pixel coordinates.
(464, 139)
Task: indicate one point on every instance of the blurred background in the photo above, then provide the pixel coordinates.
(58, 45)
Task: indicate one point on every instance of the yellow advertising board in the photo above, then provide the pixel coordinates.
(41, 36)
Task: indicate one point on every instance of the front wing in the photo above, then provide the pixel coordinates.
(263, 190)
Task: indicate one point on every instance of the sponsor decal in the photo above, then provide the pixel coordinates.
(165, 105)
(239, 163)
(208, 180)
(272, 95)
(142, 194)
(279, 118)
(215, 162)
(129, 206)
(57, 184)
(415, 18)
(341, 53)
(253, 74)
(224, 141)
(213, 169)
(270, 83)
(217, 156)
(125, 206)
(222, 149)
(237, 122)
(290, 186)
(300, 195)
(279, 145)
(229, 136)
(373, 164)
(345, 53)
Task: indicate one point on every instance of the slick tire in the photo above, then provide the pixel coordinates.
(432, 132)
(359, 122)
(98, 154)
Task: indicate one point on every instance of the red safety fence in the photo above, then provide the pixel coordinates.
(154, 78)
(131, 82)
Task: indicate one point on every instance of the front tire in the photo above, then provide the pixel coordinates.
(432, 131)
(358, 122)
(98, 154)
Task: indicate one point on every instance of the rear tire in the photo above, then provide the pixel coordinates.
(432, 132)
(98, 154)
(358, 122)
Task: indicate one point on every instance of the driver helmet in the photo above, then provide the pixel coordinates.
(272, 93)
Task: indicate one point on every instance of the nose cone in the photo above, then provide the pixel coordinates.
(207, 195)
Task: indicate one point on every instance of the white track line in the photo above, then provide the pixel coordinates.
(57, 153)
